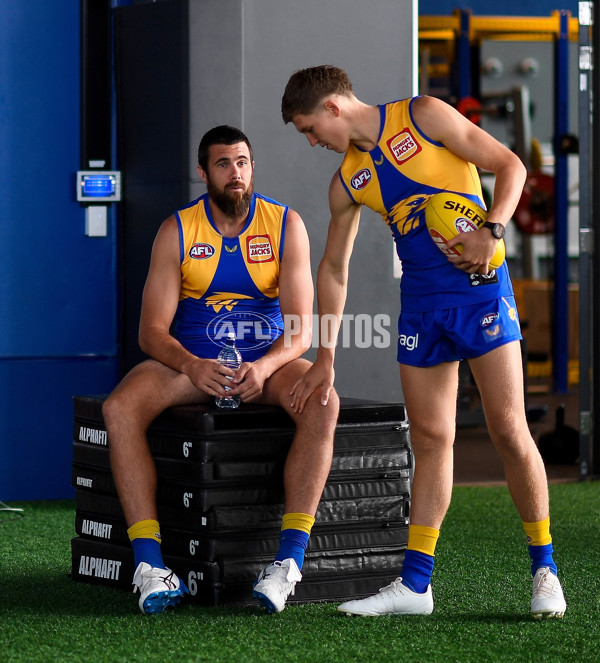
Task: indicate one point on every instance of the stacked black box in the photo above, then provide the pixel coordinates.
(220, 500)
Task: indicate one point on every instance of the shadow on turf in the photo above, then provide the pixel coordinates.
(59, 595)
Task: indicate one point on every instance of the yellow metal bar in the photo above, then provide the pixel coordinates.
(437, 35)
(498, 27)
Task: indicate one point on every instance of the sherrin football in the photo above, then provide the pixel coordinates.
(448, 214)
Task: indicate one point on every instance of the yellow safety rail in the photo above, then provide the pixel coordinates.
(496, 27)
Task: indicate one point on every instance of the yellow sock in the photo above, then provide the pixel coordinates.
(300, 521)
(538, 534)
(145, 529)
(422, 539)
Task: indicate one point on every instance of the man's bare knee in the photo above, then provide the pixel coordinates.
(122, 409)
(322, 419)
(111, 410)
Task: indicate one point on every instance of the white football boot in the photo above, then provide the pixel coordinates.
(159, 588)
(547, 599)
(395, 599)
(275, 583)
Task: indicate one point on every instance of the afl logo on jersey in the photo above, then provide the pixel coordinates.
(201, 251)
(403, 146)
(361, 179)
(259, 248)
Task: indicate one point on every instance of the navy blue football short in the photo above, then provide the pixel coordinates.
(444, 335)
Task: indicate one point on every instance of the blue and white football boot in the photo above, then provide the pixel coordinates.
(159, 588)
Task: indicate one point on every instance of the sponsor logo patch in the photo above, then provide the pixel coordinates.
(494, 332)
(259, 248)
(483, 279)
(201, 251)
(409, 342)
(403, 146)
(361, 179)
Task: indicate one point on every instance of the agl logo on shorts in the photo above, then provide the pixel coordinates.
(409, 342)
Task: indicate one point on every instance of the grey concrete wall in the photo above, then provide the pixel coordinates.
(242, 53)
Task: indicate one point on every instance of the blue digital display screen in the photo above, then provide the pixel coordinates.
(98, 185)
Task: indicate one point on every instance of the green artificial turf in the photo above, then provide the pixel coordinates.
(481, 585)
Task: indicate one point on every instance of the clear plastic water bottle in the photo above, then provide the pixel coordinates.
(230, 357)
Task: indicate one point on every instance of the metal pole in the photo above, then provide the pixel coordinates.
(560, 318)
(586, 243)
(464, 55)
(595, 186)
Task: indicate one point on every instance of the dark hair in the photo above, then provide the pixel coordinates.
(307, 87)
(221, 135)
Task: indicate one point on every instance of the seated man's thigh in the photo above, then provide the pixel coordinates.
(154, 386)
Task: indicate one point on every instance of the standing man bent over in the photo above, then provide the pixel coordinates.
(412, 149)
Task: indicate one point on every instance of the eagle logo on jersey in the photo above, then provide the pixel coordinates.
(406, 216)
(227, 300)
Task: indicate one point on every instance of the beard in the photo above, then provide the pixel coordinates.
(232, 204)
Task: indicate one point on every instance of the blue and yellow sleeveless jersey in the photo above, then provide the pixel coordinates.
(230, 284)
(396, 179)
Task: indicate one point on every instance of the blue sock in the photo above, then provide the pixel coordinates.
(147, 550)
(542, 556)
(417, 570)
(292, 543)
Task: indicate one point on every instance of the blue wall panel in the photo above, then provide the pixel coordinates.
(36, 423)
(58, 288)
(494, 8)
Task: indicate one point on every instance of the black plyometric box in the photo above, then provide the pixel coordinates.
(220, 500)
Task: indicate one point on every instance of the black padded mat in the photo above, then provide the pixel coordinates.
(196, 544)
(383, 509)
(197, 497)
(331, 578)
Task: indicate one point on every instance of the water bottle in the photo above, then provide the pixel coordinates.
(230, 357)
